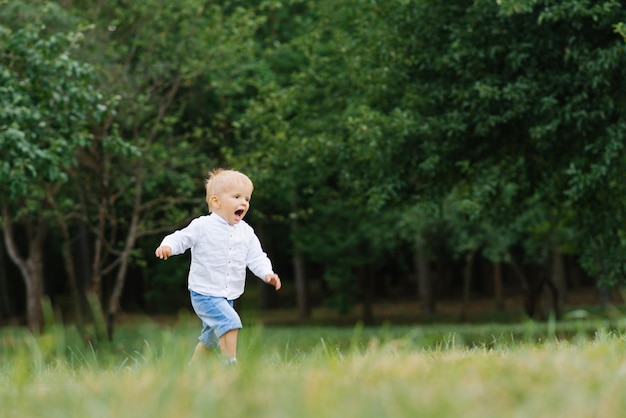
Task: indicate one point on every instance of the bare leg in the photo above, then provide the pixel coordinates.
(228, 344)
(201, 351)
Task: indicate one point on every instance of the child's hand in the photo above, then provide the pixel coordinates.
(274, 280)
(163, 252)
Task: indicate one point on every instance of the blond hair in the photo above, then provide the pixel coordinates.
(221, 179)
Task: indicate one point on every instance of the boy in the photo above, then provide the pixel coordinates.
(222, 247)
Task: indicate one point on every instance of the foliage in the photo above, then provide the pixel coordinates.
(48, 103)
(491, 125)
(324, 121)
(515, 115)
(177, 90)
(477, 126)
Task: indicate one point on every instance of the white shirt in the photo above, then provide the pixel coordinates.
(220, 254)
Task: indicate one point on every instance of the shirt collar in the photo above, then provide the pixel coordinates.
(221, 220)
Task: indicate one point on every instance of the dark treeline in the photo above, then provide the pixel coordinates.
(400, 150)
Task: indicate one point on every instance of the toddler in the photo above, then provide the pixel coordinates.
(222, 247)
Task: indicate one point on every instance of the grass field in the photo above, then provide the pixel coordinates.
(570, 369)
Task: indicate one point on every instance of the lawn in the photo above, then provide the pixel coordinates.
(568, 369)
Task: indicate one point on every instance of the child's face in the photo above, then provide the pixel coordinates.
(232, 203)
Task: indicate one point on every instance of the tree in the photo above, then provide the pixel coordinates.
(499, 119)
(547, 82)
(178, 69)
(531, 90)
(459, 130)
(327, 129)
(48, 105)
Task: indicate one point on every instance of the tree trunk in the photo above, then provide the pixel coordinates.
(424, 280)
(552, 299)
(498, 291)
(98, 251)
(77, 292)
(124, 257)
(558, 277)
(6, 310)
(120, 278)
(573, 272)
(368, 280)
(529, 291)
(68, 260)
(467, 284)
(83, 259)
(302, 293)
(34, 297)
(31, 267)
(116, 294)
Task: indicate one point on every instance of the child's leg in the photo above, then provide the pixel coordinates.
(228, 344)
(201, 351)
(208, 343)
(220, 319)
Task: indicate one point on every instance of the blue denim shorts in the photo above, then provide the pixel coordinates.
(218, 317)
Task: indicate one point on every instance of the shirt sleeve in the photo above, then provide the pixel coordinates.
(257, 260)
(183, 239)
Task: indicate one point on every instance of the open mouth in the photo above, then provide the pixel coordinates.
(239, 212)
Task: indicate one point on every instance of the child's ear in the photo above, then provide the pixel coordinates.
(214, 201)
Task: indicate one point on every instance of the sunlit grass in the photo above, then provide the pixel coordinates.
(530, 370)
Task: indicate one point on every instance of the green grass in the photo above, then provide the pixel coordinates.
(567, 369)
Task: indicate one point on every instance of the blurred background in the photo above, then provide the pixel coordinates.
(410, 158)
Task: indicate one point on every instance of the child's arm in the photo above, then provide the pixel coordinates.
(163, 252)
(179, 241)
(273, 280)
